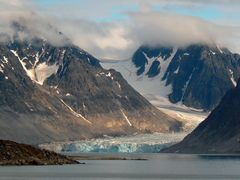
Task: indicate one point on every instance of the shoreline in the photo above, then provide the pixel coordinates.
(146, 156)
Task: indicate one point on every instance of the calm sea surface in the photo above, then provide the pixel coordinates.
(158, 166)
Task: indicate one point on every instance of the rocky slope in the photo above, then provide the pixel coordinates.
(12, 153)
(219, 133)
(56, 93)
(196, 76)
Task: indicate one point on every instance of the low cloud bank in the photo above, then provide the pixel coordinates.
(114, 40)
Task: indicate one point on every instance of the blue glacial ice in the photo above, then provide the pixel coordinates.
(141, 143)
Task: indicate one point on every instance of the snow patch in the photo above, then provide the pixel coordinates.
(84, 106)
(118, 84)
(44, 71)
(88, 60)
(75, 113)
(100, 74)
(164, 66)
(232, 78)
(213, 52)
(30, 73)
(150, 61)
(177, 70)
(220, 50)
(109, 75)
(1, 69)
(5, 60)
(68, 94)
(126, 118)
(39, 72)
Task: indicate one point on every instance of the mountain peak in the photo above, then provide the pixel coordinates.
(196, 76)
(51, 89)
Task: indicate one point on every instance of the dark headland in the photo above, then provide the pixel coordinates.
(12, 153)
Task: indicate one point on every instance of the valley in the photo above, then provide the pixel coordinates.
(119, 90)
(64, 87)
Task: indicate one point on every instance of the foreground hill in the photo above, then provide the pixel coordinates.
(56, 93)
(219, 133)
(12, 153)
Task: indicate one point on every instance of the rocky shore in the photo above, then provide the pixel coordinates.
(12, 153)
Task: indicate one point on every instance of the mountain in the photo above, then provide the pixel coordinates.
(219, 133)
(12, 153)
(196, 76)
(57, 93)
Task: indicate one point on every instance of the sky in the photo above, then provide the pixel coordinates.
(114, 29)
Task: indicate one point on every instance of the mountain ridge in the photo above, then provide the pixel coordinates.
(49, 90)
(196, 76)
(219, 133)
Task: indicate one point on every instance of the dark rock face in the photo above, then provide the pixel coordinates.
(200, 75)
(12, 153)
(50, 93)
(141, 56)
(154, 69)
(219, 133)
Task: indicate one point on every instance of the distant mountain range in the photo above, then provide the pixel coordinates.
(219, 133)
(196, 76)
(57, 93)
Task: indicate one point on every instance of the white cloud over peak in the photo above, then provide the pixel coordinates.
(118, 39)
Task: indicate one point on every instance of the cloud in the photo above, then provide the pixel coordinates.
(116, 39)
(119, 40)
(11, 3)
(172, 29)
(28, 25)
(105, 40)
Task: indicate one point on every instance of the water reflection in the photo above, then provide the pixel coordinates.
(219, 157)
(158, 166)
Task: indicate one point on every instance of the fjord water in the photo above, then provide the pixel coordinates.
(158, 166)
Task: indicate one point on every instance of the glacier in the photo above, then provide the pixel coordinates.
(140, 143)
